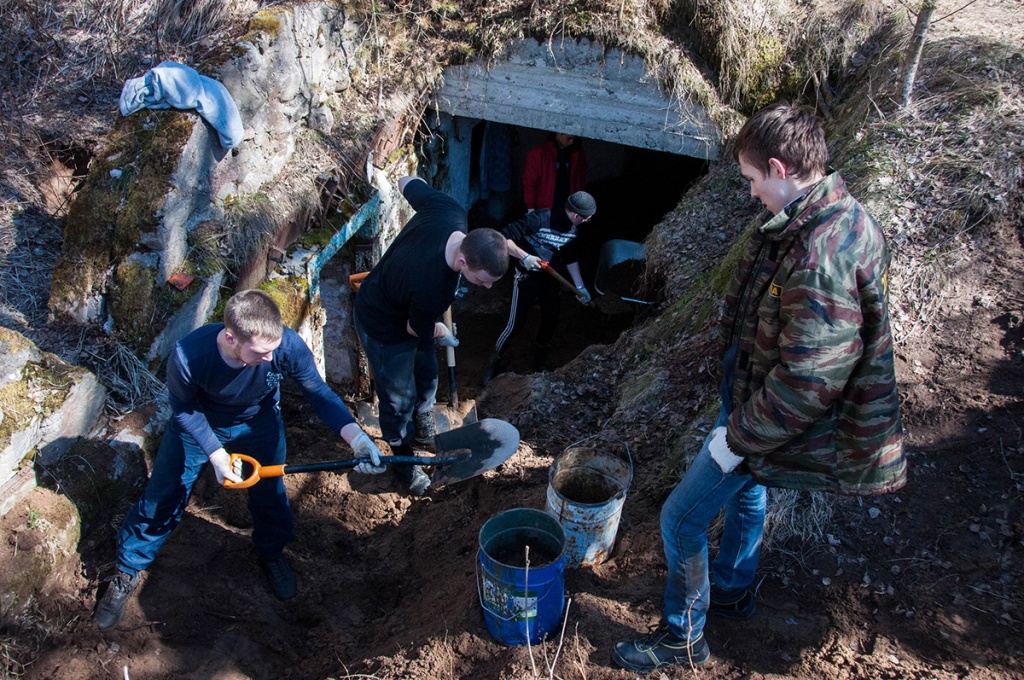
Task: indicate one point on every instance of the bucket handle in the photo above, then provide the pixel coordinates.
(480, 594)
(629, 456)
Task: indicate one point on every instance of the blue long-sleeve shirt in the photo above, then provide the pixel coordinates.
(205, 392)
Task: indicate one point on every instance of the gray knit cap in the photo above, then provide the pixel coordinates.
(581, 203)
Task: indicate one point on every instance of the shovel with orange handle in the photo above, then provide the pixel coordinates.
(562, 280)
(462, 453)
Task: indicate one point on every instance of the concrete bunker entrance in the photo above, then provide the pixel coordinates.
(643, 151)
(634, 189)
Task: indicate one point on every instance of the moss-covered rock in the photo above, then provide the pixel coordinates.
(291, 296)
(112, 211)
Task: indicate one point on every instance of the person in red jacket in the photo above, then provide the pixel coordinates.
(555, 169)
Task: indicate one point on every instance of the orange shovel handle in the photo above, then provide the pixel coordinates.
(561, 279)
(258, 471)
(355, 280)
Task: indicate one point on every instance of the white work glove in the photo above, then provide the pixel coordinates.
(530, 263)
(221, 461)
(447, 340)
(584, 296)
(365, 448)
(719, 448)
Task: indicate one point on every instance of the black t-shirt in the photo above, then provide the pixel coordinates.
(413, 282)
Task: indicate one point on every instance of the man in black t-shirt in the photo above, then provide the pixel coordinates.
(535, 237)
(399, 305)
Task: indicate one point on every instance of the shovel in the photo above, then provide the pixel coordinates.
(562, 280)
(462, 453)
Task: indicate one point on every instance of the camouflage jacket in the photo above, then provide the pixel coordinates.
(814, 400)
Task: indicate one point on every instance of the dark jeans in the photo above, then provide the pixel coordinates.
(527, 288)
(177, 466)
(405, 379)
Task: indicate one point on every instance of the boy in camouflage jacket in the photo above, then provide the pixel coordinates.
(809, 397)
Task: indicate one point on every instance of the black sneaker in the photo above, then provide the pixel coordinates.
(737, 608)
(659, 649)
(281, 576)
(110, 609)
(423, 432)
(413, 478)
(493, 368)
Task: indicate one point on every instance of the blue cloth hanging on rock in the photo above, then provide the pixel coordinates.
(173, 85)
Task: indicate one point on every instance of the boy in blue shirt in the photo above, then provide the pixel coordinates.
(224, 385)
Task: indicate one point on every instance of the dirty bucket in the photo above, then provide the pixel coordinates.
(586, 490)
(521, 602)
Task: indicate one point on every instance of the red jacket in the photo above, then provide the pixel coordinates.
(539, 174)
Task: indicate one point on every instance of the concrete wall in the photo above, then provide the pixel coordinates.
(578, 87)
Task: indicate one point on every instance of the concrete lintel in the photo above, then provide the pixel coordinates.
(577, 88)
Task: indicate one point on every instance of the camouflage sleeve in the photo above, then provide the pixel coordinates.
(815, 346)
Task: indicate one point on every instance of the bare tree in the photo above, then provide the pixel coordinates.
(924, 21)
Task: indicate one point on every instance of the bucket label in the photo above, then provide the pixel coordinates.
(516, 604)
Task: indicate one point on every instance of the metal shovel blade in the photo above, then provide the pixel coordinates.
(490, 442)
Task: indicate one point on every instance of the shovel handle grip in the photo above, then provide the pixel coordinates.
(258, 471)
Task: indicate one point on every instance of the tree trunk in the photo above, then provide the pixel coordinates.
(924, 20)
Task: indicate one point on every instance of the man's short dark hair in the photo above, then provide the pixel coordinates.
(793, 134)
(252, 314)
(486, 249)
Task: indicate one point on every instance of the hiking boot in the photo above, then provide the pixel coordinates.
(736, 607)
(413, 478)
(423, 432)
(659, 649)
(493, 368)
(110, 609)
(281, 577)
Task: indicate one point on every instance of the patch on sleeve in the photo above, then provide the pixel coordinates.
(775, 290)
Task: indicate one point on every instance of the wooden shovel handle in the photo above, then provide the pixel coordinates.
(561, 279)
(355, 280)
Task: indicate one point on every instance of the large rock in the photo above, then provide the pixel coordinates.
(46, 409)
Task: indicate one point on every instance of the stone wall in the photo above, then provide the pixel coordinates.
(292, 78)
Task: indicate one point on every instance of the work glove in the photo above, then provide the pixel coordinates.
(530, 263)
(584, 295)
(447, 340)
(364, 447)
(221, 461)
(719, 448)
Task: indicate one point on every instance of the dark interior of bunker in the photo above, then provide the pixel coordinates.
(634, 188)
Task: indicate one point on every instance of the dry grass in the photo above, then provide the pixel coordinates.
(129, 382)
(939, 173)
(24, 634)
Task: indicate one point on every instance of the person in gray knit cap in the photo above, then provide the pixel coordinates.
(534, 238)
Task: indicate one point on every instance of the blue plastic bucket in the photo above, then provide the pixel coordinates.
(586, 491)
(521, 601)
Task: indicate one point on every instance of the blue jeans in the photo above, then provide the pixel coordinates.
(689, 509)
(405, 379)
(178, 464)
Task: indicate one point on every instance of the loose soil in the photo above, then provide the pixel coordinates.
(924, 583)
(919, 584)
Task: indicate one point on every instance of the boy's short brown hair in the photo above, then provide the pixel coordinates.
(252, 314)
(486, 249)
(793, 134)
